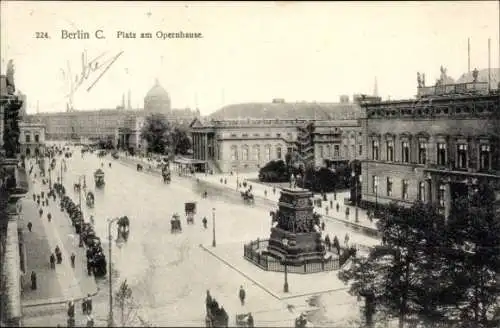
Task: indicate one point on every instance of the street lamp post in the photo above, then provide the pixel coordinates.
(356, 213)
(213, 227)
(285, 285)
(110, 280)
(50, 178)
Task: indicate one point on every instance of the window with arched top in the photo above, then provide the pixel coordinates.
(234, 153)
(37, 138)
(278, 152)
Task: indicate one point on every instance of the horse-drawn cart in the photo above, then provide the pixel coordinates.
(90, 199)
(175, 223)
(190, 209)
(99, 178)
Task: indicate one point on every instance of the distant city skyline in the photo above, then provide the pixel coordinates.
(250, 52)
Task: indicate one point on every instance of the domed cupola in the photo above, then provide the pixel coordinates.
(157, 100)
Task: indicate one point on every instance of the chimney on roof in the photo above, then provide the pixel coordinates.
(375, 88)
(278, 101)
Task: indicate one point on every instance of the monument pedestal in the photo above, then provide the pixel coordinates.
(296, 238)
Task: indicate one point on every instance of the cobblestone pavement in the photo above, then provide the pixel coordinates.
(170, 273)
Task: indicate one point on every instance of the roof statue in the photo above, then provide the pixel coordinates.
(10, 77)
(419, 80)
(423, 79)
(475, 74)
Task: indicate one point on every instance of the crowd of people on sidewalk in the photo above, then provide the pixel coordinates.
(42, 200)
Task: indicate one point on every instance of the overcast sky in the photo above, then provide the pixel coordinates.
(250, 51)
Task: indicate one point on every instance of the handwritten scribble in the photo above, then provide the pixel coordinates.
(89, 68)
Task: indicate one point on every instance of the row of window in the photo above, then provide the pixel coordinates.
(246, 135)
(256, 153)
(421, 194)
(326, 151)
(461, 160)
(27, 138)
(404, 188)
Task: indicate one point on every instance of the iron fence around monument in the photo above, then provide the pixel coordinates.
(269, 263)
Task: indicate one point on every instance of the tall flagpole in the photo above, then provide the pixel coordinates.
(489, 64)
(468, 55)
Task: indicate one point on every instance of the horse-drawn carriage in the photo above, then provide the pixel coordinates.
(99, 178)
(165, 173)
(175, 223)
(102, 153)
(190, 209)
(123, 228)
(247, 196)
(90, 199)
(139, 167)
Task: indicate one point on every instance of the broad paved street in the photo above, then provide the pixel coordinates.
(170, 273)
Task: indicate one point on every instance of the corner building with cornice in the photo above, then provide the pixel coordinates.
(433, 148)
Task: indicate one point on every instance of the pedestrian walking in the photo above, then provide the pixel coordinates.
(52, 261)
(84, 306)
(89, 304)
(33, 280)
(49, 217)
(328, 243)
(347, 213)
(338, 207)
(331, 203)
(326, 210)
(43, 193)
(47, 200)
(336, 244)
(225, 181)
(72, 257)
(242, 295)
(34, 197)
(30, 225)
(274, 190)
(40, 212)
(89, 267)
(346, 240)
(323, 226)
(265, 193)
(204, 222)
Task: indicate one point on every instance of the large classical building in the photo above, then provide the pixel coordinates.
(244, 137)
(434, 147)
(32, 139)
(104, 123)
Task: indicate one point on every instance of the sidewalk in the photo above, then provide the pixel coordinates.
(260, 190)
(53, 286)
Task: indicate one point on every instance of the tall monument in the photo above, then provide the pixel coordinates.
(296, 238)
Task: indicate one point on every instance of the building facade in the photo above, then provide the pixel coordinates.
(432, 148)
(247, 145)
(104, 123)
(32, 139)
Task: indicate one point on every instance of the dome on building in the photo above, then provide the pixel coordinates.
(157, 91)
(157, 100)
(482, 76)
